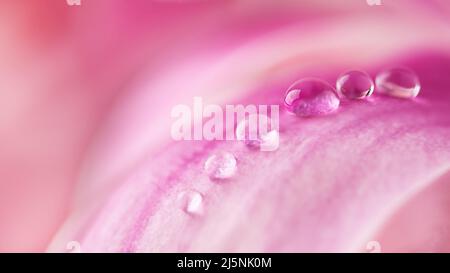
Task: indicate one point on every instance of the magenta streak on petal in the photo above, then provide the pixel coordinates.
(164, 185)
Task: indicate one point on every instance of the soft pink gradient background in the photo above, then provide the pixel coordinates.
(86, 93)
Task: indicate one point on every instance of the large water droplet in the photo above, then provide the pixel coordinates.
(221, 166)
(311, 97)
(355, 84)
(398, 82)
(191, 202)
(257, 131)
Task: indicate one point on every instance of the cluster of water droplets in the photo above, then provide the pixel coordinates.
(307, 97)
(313, 97)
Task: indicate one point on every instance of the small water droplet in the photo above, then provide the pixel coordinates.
(398, 82)
(221, 166)
(311, 97)
(256, 131)
(373, 247)
(191, 202)
(355, 84)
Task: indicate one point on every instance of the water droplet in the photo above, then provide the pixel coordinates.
(355, 84)
(256, 131)
(191, 202)
(221, 166)
(311, 97)
(398, 82)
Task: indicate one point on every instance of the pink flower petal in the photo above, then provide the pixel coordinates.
(105, 76)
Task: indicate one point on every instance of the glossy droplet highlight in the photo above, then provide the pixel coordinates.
(221, 166)
(191, 202)
(355, 84)
(398, 82)
(258, 131)
(311, 97)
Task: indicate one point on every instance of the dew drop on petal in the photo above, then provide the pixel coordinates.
(220, 166)
(256, 131)
(191, 202)
(311, 97)
(398, 82)
(355, 84)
